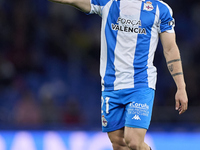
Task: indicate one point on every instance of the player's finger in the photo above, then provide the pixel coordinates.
(185, 105)
(183, 108)
(181, 111)
(177, 105)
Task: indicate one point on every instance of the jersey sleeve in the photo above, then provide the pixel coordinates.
(167, 22)
(97, 6)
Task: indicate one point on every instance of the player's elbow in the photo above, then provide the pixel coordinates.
(171, 50)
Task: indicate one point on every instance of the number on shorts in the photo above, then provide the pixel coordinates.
(107, 104)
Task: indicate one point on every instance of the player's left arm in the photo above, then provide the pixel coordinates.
(173, 59)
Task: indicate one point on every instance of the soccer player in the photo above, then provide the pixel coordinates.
(130, 32)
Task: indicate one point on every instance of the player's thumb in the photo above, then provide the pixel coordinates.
(177, 104)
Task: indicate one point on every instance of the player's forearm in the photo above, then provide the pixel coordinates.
(174, 65)
(83, 5)
(62, 1)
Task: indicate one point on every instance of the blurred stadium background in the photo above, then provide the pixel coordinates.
(50, 83)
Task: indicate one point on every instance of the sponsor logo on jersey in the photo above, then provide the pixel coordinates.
(136, 117)
(104, 121)
(121, 20)
(148, 6)
(127, 25)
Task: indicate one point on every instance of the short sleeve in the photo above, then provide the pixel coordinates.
(167, 22)
(97, 6)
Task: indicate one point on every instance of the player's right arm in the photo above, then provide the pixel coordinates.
(83, 5)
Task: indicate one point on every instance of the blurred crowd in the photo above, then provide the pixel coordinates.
(49, 66)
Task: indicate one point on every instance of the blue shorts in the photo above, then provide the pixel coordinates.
(126, 107)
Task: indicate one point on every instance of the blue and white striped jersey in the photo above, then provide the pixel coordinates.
(129, 37)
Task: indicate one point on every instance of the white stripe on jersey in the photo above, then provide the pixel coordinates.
(103, 56)
(151, 71)
(124, 64)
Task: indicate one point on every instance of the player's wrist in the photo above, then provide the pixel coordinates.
(181, 87)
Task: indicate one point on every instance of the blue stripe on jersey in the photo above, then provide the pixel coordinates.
(111, 38)
(99, 2)
(142, 49)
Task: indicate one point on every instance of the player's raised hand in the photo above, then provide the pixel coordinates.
(181, 101)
